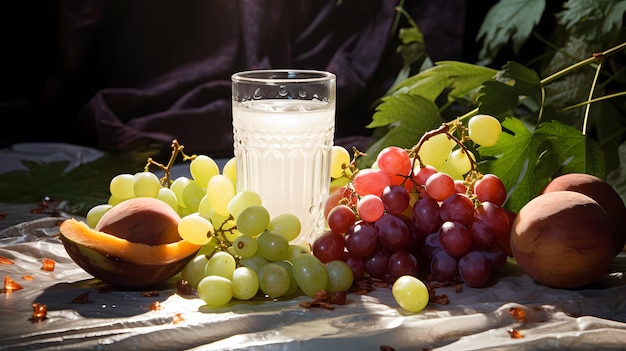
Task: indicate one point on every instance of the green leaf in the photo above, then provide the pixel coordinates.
(514, 82)
(526, 162)
(597, 17)
(78, 189)
(575, 152)
(516, 155)
(407, 118)
(508, 20)
(459, 77)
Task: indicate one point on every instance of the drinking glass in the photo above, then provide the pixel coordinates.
(284, 124)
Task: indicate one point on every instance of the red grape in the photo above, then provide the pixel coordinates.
(423, 173)
(444, 267)
(490, 188)
(341, 218)
(393, 234)
(361, 239)
(457, 207)
(357, 265)
(329, 246)
(474, 269)
(370, 208)
(426, 216)
(370, 181)
(455, 238)
(439, 186)
(394, 160)
(395, 198)
(377, 264)
(402, 263)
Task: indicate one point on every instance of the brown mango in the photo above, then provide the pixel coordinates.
(134, 254)
(562, 239)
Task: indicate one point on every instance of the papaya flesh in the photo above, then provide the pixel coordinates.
(121, 262)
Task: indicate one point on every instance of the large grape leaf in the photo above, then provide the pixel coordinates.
(514, 82)
(574, 151)
(459, 77)
(407, 118)
(508, 20)
(527, 161)
(598, 17)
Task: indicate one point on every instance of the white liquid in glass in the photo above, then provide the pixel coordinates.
(282, 150)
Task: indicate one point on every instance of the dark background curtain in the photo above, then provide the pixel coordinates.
(117, 74)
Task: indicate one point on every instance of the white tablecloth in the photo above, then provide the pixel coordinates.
(593, 318)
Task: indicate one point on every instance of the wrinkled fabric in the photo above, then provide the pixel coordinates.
(166, 67)
(593, 318)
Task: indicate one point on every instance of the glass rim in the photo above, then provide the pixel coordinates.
(280, 76)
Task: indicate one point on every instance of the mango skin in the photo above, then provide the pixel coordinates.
(562, 239)
(602, 193)
(142, 220)
(118, 272)
(137, 245)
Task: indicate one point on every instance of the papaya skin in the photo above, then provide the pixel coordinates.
(562, 239)
(604, 195)
(121, 262)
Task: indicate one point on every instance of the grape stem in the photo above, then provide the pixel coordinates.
(177, 149)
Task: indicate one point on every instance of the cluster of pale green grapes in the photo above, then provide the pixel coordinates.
(244, 251)
(205, 193)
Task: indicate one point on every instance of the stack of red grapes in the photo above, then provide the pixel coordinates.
(391, 221)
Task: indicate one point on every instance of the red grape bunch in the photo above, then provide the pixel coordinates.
(442, 220)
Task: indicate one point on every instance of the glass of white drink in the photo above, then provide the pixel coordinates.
(284, 124)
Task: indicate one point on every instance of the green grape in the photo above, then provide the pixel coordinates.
(230, 171)
(215, 290)
(222, 264)
(253, 220)
(192, 194)
(310, 274)
(209, 248)
(435, 150)
(293, 284)
(167, 195)
(220, 191)
(245, 246)
(203, 168)
(243, 200)
(286, 224)
(195, 229)
(338, 182)
(95, 213)
(340, 276)
(114, 200)
(121, 186)
(484, 130)
(146, 184)
(177, 186)
(245, 283)
(340, 158)
(183, 211)
(296, 250)
(410, 293)
(272, 246)
(459, 161)
(255, 262)
(274, 280)
(193, 271)
(448, 169)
